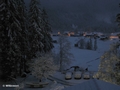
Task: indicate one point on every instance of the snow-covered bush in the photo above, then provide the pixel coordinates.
(43, 66)
(109, 66)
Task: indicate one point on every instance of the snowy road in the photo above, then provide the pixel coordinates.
(61, 81)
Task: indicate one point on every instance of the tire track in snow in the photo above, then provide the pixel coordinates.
(93, 60)
(97, 86)
(61, 81)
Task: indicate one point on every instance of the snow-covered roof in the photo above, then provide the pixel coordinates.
(114, 34)
(92, 33)
(66, 31)
(94, 84)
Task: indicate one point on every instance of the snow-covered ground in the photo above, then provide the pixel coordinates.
(86, 58)
(94, 84)
(83, 58)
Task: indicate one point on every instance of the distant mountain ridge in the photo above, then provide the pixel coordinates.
(83, 13)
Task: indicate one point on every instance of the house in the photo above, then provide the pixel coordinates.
(56, 34)
(92, 34)
(80, 33)
(66, 33)
(93, 84)
(72, 33)
(114, 35)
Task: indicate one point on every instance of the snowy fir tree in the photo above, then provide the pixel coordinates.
(109, 66)
(89, 45)
(95, 44)
(21, 36)
(43, 66)
(81, 43)
(46, 30)
(65, 57)
(24, 47)
(35, 28)
(118, 20)
(118, 17)
(10, 35)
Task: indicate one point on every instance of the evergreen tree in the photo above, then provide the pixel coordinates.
(95, 44)
(35, 28)
(46, 30)
(118, 17)
(89, 44)
(24, 47)
(81, 43)
(10, 35)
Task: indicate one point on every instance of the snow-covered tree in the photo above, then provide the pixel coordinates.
(24, 40)
(35, 28)
(95, 44)
(46, 30)
(118, 17)
(89, 44)
(65, 57)
(10, 35)
(43, 66)
(117, 72)
(107, 68)
(81, 43)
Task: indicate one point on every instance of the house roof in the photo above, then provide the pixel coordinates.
(115, 33)
(94, 84)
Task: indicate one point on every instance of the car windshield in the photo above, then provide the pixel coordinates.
(77, 72)
(68, 73)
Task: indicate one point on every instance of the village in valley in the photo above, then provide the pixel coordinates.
(111, 36)
(87, 60)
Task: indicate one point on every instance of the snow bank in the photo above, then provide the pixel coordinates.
(94, 85)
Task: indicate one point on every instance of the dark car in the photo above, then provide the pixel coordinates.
(103, 37)
(54, 41)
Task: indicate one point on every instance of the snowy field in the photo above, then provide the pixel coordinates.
(86, 58)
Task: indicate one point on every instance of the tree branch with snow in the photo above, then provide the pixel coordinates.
(43, 66)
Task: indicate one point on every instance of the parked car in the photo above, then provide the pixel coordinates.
(64, 71)
(78, 75)
(68, 75)
(103, 37)
(54, 41)
(86, 75)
